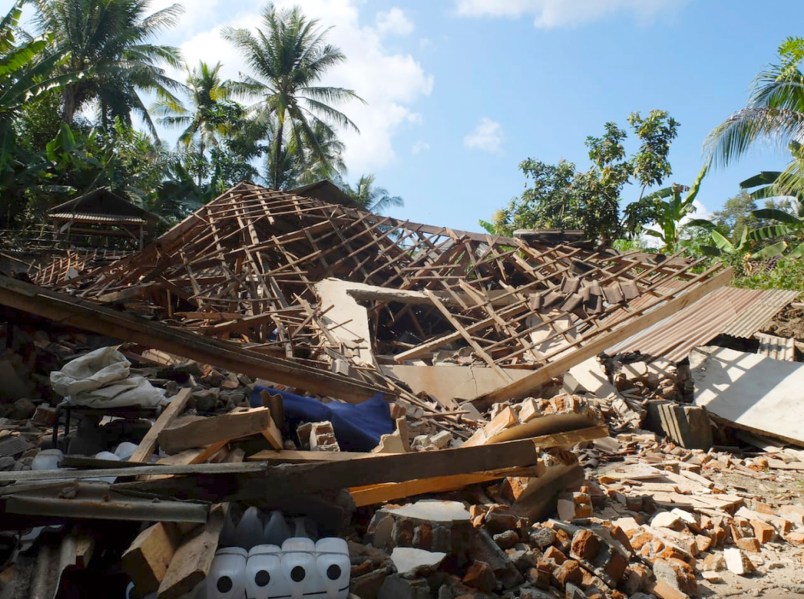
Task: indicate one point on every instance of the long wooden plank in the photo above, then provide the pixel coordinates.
(203, 431)
(191, 562)
(530, 383)
(273, 482)
(71, 311)
(301, 457)
(147, 560)
(374, 494)
(148, 444)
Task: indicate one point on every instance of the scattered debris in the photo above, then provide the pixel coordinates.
(452, 410)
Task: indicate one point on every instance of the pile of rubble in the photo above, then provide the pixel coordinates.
(457, 407)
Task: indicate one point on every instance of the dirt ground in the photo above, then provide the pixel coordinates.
(788, 323)
(780, 567)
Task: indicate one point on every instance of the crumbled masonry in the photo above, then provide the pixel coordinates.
(517, 452)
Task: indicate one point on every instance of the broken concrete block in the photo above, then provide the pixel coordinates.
(568, 572)
(45, 416)
(665, 520)
(391, 443)
(441, 439)
(412, 561)
(542, 537)
(792, 513)
(480, 576)
(484, 549)
(712, 577)
(21, 409)
(636, 578)
(687, 426)
(432, 525)
(566, 509)
(322, 437)
(506, 539)
(678, 576)
(714, 562)
(750, 544)
(664, 590)
(737, 561)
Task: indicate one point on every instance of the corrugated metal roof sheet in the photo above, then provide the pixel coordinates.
(98, 218)
(731, 311)
(766, 306)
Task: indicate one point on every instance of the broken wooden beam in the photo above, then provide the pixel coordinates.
(267, 483)
(543, 375)
(148, 444)
(210, 430)
(82, 314)
(192, 560)
(148, 558)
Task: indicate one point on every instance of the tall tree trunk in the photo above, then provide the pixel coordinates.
(276, 167)
(69, 101)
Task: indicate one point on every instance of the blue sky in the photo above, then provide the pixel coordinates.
(460, 91)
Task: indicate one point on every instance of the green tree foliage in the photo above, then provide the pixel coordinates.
(736, 216)
(371, 197)
(28, 73)
(775, 113)
(560, 196)
(671, 206)
(288, 58)
(111, 43)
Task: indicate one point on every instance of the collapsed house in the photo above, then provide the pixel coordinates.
(459, 363)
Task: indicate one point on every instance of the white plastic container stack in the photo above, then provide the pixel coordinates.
(227, 576)
(334, 567)
(47, 459)
(264, 575)
(300, 567)
(276, 530)
(125, 450)
(249, 529)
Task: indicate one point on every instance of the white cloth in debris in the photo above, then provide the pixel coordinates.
(102, 379)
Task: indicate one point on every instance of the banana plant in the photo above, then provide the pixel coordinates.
(721, 245)
(789, 225)
(673, 207)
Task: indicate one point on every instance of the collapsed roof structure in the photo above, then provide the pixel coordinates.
(262, 296)
(256, 265)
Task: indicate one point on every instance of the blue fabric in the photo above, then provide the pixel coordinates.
(358, 427)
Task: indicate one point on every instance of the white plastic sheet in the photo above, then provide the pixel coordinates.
(102, 379)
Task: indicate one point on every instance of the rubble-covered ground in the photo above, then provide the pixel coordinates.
(648, 519)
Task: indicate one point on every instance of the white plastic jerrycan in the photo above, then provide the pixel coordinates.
(334, 567)
(249, 530)
(264, 575)
(226, 578)
(276, 530)
(300, 567)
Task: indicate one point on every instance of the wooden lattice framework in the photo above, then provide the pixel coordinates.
(244, 267)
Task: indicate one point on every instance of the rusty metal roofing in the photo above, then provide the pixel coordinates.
(99, 218)
(731, 311)
(764, 308)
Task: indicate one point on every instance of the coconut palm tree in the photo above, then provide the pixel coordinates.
(775, 112)
(288, 58)
(111, 42)
(206, 119)
(372, 198)
(210, 117)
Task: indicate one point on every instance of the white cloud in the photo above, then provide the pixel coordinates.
(394, 22)
(390, 82)
(419, 147)
(486, 136)
(548, 14)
